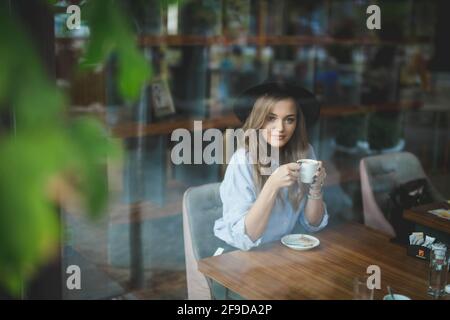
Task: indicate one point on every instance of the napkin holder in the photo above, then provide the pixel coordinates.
(419, 252)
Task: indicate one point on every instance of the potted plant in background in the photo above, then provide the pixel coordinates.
(48, 158)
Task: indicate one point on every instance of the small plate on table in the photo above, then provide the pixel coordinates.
(300, 241)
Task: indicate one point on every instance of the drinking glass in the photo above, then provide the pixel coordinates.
(360, 289)
(438, 272)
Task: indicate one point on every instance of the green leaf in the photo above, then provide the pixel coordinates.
(52, 2)
(44, 145)
(31, 220)
(92, 147)
(133, 72)
(111, 32)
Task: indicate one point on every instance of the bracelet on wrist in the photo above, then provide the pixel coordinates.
(316, 185)
(315, 196)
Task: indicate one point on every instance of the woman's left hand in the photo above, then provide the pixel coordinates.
(319, 177)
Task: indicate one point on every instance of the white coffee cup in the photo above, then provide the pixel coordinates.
(308, 168)
(396, 297)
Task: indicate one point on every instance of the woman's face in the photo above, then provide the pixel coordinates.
(280, 123)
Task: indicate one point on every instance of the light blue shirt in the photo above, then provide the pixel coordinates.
(238, 194)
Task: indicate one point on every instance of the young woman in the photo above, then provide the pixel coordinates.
(257, 207)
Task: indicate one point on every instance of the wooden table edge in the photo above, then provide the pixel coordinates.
(204, 268)
(427, 219)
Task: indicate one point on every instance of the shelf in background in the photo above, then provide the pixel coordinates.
(267, 40)
(263, 40)
(133, 129)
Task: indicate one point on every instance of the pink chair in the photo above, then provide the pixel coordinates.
(197, 284)
(373, 217)
(201, 207)
(380, 174)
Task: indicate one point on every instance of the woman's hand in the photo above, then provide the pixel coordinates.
(319, 178)
(284, 176)
(314, 210)
(257, 218)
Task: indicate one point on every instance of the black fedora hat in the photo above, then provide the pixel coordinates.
(305, 99)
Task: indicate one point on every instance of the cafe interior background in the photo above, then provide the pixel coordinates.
(382, 91)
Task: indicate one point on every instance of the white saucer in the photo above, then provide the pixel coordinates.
(300, 241)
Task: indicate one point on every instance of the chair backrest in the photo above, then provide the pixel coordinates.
(201, 207)
(380, 174)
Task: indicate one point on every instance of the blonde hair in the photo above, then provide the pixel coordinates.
(296, 148)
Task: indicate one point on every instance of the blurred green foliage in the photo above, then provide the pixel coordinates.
(45, 145)
(111, 32)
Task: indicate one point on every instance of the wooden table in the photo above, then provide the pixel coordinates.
(274, 271)
(421, 216)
